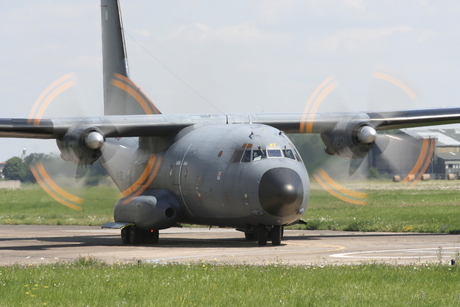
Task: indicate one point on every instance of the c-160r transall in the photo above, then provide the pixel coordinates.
(226, 170)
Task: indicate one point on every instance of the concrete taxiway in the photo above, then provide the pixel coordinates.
(47, 244)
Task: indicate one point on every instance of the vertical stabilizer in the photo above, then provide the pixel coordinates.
(121, 95)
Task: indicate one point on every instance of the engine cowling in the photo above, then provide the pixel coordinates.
(350, 140)
(155, 209)
(81, 146)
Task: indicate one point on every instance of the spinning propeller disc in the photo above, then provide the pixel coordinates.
(323, 174)
(45, 173)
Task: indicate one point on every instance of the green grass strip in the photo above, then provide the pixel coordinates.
(88, 282)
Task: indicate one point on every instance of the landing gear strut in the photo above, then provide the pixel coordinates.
(250, 234)
(134, 235)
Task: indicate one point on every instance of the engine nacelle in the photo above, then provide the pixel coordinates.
(155, 209)
(350, 140)
(81, 146)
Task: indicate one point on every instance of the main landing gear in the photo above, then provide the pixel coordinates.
(262, 234)
(134, 235)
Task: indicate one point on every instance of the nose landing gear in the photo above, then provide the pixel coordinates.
(262, 234)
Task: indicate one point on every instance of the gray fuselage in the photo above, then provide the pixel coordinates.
(231, 175)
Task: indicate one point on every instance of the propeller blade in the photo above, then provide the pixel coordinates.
(81, 172)
(355, 163)
(381, 143)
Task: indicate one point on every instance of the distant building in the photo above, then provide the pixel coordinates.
(434, 151)
(447, 154)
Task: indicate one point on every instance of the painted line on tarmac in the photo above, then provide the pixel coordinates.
(337, 248)
(433, 251)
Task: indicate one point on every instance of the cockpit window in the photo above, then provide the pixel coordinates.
(289, 154)
(246, 156)
(258, 155)
(297, 156)
(236, 158)
(274, 153)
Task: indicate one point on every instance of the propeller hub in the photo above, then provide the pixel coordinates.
(94, 140)
(367, 134)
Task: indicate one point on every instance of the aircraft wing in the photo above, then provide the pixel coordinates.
(161, 124)
(110, 126)
(324, 122)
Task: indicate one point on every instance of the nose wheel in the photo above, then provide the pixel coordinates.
(262, 235)
(275, 234)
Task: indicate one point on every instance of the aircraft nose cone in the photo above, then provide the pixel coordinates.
(281, 191)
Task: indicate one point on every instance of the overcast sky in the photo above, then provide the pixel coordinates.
(241, 56)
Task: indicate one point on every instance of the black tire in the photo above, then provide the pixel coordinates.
(136, 235)
(152, 236)
(262, 235)
(277, 235)
(125, 235)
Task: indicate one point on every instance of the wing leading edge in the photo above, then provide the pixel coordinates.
(161, 124)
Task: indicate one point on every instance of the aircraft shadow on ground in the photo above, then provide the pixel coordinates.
(47, 243)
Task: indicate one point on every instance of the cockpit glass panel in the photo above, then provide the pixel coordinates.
(297, 156)
(246, 156)
(289, 154)
(236, 158)
(258, 155)
(274, 153)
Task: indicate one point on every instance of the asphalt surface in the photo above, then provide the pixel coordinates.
(47, 244)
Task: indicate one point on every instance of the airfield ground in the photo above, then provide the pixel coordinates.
(35, 244)
(399, 225)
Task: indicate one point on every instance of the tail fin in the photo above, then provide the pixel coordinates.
(121, 95)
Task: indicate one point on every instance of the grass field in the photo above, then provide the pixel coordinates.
(87, 282)
(432, 206)
(31, 205)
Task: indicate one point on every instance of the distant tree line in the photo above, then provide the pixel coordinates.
(311, 149)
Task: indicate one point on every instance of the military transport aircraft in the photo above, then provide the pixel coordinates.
(226, 170)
